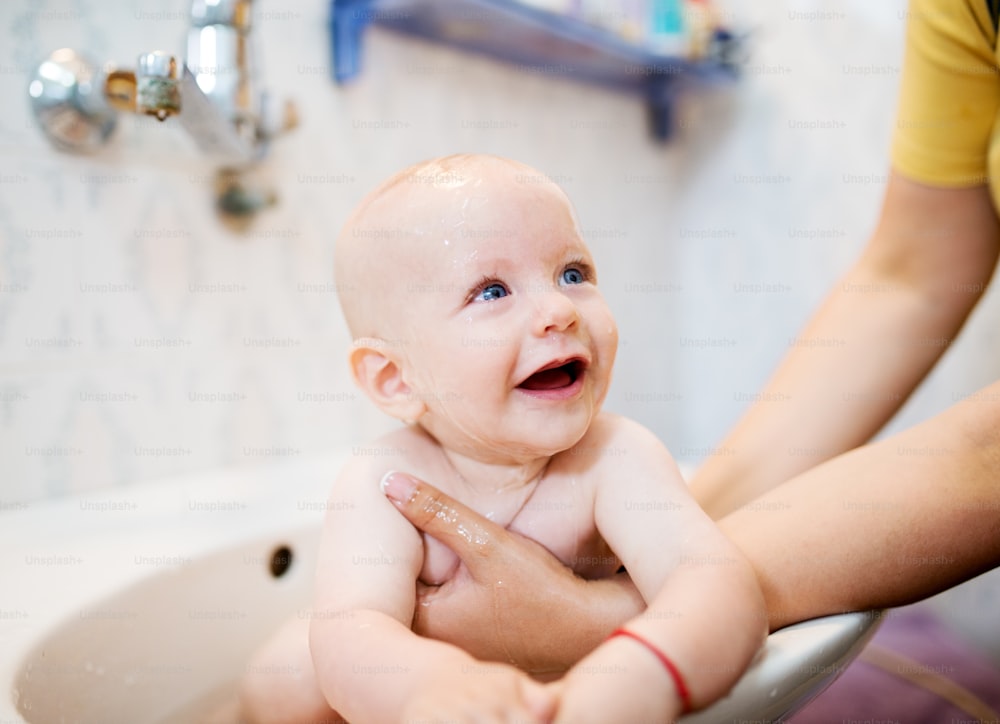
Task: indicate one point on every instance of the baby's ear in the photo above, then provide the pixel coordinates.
(378, 371)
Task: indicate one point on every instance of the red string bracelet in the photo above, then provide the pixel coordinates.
(675, 674)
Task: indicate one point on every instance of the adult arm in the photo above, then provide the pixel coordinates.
(885, 323)
(880, 330)
(883, 525)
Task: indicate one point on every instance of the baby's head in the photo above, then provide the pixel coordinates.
(473, 304)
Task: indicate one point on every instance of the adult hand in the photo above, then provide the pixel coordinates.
(546, 618)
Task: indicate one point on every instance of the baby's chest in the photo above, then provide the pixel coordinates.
(563, 526)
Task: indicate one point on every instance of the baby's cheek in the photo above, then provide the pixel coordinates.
(600, 320)
(611, 329)
(605, 332)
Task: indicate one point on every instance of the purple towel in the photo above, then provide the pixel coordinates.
(894, 680)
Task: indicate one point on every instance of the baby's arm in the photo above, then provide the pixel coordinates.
(370, 666)
(706, 613)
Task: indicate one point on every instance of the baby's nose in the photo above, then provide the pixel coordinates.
(556, 313)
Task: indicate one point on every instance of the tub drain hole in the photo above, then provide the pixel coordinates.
(281, 561)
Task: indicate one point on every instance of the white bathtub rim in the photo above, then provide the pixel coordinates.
(74, 543)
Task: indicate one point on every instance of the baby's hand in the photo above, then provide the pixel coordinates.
(483, 692)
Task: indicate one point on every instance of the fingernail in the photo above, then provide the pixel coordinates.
(398, 486)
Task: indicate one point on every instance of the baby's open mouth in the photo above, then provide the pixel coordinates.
(555, 376)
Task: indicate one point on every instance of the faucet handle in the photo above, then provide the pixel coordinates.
(157, 85)
(68, 101)
(119, 89)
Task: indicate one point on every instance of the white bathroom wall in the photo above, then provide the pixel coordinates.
(140, 337)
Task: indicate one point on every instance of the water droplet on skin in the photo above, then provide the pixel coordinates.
(464, 533)
(88, 666)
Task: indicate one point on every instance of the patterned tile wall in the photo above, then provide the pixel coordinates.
(141, 337)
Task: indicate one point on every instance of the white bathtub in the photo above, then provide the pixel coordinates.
(143, 604)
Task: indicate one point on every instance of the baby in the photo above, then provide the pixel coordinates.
(473, 304)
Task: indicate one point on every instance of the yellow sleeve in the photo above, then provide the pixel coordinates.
(950, 93)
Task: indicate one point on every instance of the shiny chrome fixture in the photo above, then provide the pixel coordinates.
(213, 93)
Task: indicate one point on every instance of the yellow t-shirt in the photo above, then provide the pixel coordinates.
(947, 131)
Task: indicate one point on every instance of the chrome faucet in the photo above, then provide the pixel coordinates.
(213, 92)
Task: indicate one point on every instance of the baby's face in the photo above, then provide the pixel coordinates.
(506, 338)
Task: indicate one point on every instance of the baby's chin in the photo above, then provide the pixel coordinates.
(520, 451)
(487, 444)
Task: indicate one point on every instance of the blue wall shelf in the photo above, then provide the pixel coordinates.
(536, 40)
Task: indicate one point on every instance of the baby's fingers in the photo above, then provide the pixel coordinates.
(540, 701)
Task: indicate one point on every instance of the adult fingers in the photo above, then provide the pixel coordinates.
(472, 537)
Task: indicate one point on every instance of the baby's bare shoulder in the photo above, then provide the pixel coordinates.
(406, 449)
(612, 436)
(617, 449)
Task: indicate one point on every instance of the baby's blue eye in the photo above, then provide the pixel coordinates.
(491, 292)
(573, 276)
